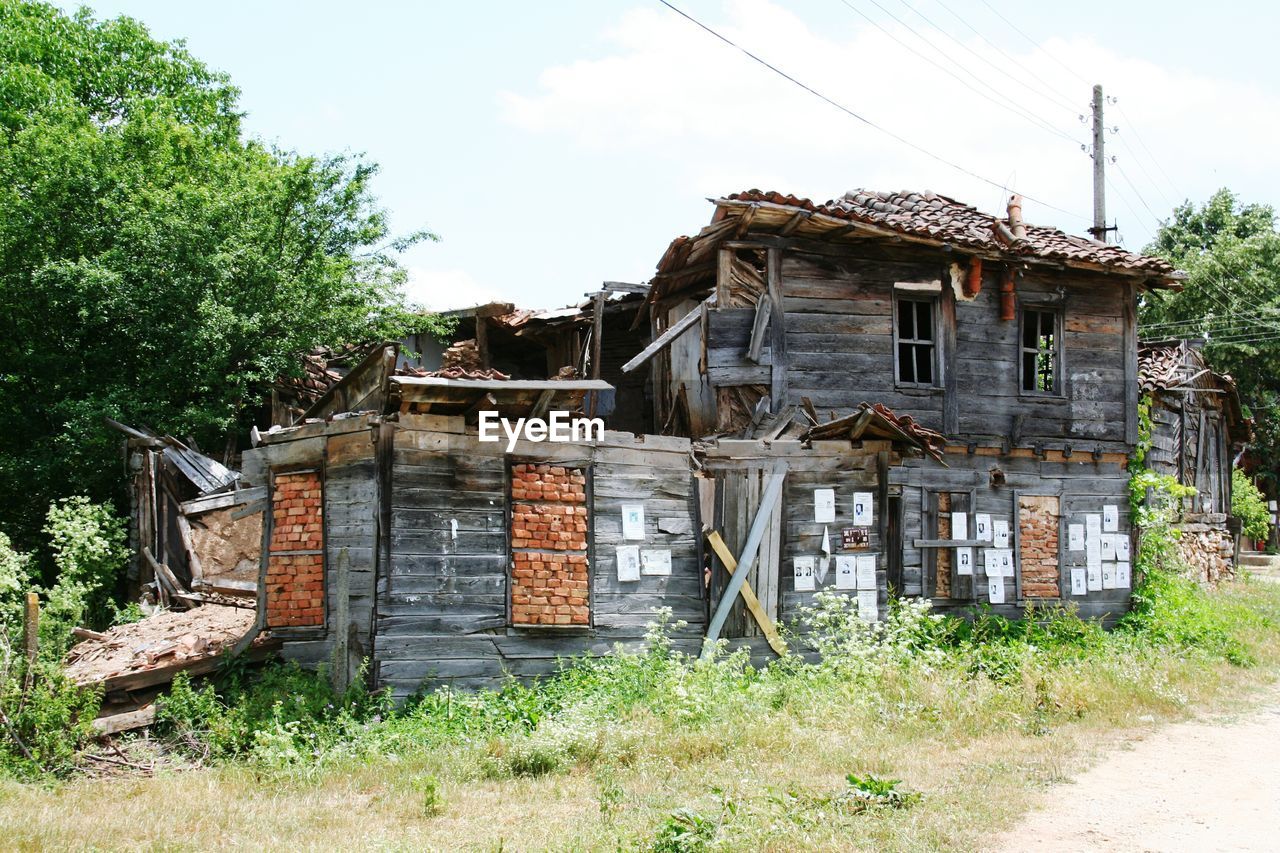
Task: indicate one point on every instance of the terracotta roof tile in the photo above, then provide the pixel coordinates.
(936, 217)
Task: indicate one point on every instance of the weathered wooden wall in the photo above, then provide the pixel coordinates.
(839, 347)
(1189, 442)
(442, 605)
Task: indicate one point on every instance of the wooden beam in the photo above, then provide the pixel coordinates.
(764, 309)
(778, 332)
(744, 221)
(544, 402)
(666, 338)
(482, 340)
(798, 218)
(772, 493)
(597, 332)
(748, 594)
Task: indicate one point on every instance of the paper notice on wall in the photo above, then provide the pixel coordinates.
(995, 590)
(866, 571)
(1075, 537)
(1005, 558)
(824, 506)
(863, 514)
(1093, 554)
(1122, 575)
(1092, 526)
(869, 605)
(959, 525)
(1108, 547)
(1108, 575)
(1000, 532)
(1122, 547)
(990, 563)
(964, 561)
(826, 542)
(1093, 578)
(633, 521)
(824, 566)
(628, 562)
(804, 573)
(846, 571)
(982, 527)
(1110, 518)
(655, 562)
(1079, 583)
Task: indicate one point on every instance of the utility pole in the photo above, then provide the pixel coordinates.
(1099, 229)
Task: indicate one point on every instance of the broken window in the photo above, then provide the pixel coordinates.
(1040, 351)
(915, 339)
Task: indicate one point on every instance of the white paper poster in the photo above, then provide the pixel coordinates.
(1005, 557)
(824, 506)
(655, 562)
(633, 521)
(959, 525)
(628, 562)
(863, 516)
(1093, 554)
(868, 605)
(866, 571)
(990, 563)
(1108, 575)
(1079, 584)
(1075, 537)
(982, 527)
(846, 571)
(1108, 547)
(1122, 575)
(803, 567)
(1000, 532)
(826, 542)
(1122, 547)
(1110, 518)
(824, 566)
(1093, 578)
(1092, 526)
(964, 561)
(995, 590)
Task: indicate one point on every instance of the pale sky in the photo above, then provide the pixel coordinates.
(555, 145)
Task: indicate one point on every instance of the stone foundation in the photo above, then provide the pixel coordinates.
(1207, 547)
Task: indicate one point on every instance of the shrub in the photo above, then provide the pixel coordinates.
(1250, 506)
(88, 545)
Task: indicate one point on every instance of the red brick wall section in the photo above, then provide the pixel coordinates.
(295, 582)
(549, 546)
(1038, 520)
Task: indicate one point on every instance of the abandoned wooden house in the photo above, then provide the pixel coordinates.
(883, 395)
(1198, 430)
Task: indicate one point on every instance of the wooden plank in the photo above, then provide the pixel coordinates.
(748, 595)
(222, 500)
(1130, 366)
(950, 378)
(778, 332)
(666, 338)
(760, 324)
(772, 493)
(126, 721)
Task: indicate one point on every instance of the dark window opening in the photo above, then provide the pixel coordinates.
(1039, 351)
(916, 345)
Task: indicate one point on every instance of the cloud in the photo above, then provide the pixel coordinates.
(446, 289)
(667, 89)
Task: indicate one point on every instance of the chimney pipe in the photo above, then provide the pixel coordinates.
(973, 281)
(1016, 224)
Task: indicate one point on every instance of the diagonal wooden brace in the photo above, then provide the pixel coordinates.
(748, 594)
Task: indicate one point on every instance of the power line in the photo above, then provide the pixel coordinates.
(1136, 192)
(1034, 43)
(894, 136)
(1138, 159)
(1051, 95)
(1010, 106)
(1142, 142)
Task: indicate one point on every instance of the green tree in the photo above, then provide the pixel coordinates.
(1231, 299)
(156, 266)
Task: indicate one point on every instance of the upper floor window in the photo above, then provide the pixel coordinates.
(915, 338)
(1041, 352)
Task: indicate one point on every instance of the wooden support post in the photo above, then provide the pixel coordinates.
(30, 639)
(482, 340)
(748, 594)
(772, 493)
(950, 374)
(597, 334)
(778, 332)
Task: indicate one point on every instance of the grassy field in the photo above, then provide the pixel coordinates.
(647, 752)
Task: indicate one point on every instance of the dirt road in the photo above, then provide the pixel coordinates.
(1211, 784)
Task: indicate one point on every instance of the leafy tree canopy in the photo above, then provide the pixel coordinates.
(155, 265)
(1231, 253)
